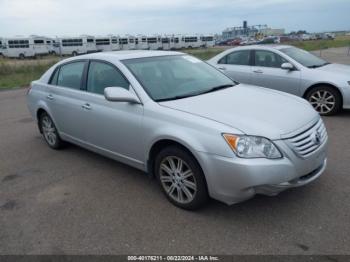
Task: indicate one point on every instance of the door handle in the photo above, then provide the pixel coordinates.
(86, 106)
(222, 68)
(258, 71)
(50, 97)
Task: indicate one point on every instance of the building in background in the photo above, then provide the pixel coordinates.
(272, 32)
(250, 31)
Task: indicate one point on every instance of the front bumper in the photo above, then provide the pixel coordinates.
(272, 190)
(232, 180)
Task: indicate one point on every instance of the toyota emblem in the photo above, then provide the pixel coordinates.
(317, 138)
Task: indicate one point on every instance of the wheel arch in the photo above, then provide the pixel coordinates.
(324, 84)
(158, 145)
(39, 111)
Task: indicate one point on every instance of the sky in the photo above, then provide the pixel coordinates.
(119, 17)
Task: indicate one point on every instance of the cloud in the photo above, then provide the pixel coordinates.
(75, 17)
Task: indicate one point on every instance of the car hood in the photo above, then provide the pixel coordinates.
(250, 109)
(336, 68)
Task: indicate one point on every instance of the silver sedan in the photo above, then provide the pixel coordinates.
(289, 69)
(178, 118)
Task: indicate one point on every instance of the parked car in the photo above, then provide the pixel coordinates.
(289, 69)
(234, 42)
(222, 42)
(249, 41)
(174, 116)
(330, 36)
(268, 40)
(306, 37)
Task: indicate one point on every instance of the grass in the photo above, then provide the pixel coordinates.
(322, 44)
(19, 73)
(204, 53)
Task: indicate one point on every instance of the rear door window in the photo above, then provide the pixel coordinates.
(70, 75)
(237, 58)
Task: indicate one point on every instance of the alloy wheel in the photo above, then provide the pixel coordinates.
(323, 101)
(49, 130)
(177, 179)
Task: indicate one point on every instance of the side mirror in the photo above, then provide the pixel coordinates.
(287, 66)
(120, 94)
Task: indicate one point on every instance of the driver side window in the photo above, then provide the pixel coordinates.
(102, 75)
(265, 58)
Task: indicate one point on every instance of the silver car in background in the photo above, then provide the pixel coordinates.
(289, 69)
(174, 116)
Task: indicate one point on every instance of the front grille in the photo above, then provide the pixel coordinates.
(306, 142)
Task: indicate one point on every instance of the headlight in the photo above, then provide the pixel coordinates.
(252, 146)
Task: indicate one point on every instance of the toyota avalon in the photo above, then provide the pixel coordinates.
(173, 116)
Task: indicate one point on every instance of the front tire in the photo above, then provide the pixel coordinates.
(181, 178)
(49, 131)
(325, 100)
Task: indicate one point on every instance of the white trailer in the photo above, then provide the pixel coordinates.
(40, 46)
(178, 42)
(154, 42)
(168, 42)
(131, 42)
(191, 41)
(52, 46)
(207, 41)
(127, 43)
(18, 47)
(141, 42)
(107, 43)
(77, 45)
(124, 43)
(49, 45)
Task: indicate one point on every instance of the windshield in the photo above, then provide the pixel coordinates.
(175, 77)
(303, 57)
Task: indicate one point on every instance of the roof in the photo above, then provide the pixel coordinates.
(128, 54)
(272, 46)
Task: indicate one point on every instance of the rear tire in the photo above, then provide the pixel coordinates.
(74, 53)
(325, 100)
(21, 56)
(181, 178)
(49, 131)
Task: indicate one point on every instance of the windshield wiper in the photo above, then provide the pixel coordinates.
(215, 88)
(316, 66)
(178, 97)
